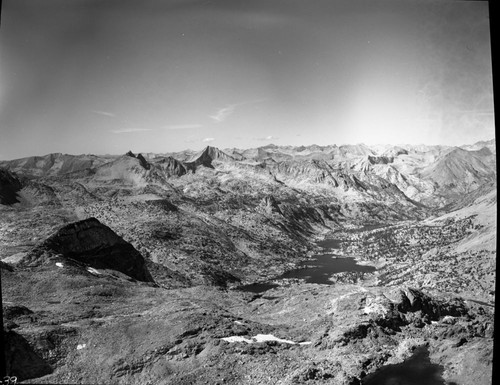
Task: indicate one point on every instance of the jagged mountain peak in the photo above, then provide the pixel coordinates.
(144, 163)
(207, 155)
(215, 152)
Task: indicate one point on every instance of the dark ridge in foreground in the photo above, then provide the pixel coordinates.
(95, 244)
(9, 186)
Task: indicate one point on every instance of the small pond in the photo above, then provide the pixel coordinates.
(416, 370)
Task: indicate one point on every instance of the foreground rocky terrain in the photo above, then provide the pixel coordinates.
(127, 269)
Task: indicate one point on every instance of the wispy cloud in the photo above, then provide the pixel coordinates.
(105, 113)
(181, 126)
(129, 130)
(208, 140)
(224, 112)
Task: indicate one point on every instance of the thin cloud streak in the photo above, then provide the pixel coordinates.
(208, 140)
(104, 113)
(129, 130)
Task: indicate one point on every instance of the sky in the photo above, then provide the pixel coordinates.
(108, 76)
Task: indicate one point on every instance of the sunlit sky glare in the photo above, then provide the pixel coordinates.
(106, 76)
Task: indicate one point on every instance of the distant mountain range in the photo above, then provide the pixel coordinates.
(430, 175)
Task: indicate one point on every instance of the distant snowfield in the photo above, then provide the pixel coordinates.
(262, 338)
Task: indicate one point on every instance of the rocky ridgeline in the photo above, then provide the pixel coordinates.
(94, 244)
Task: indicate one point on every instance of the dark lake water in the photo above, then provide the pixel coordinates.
(318, 269)
(321, 267)
(417, 370)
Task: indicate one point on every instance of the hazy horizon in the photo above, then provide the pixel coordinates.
(105, 77)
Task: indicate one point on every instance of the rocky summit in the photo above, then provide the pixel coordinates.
(273, 265)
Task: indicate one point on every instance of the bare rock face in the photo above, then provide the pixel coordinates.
(91, 242)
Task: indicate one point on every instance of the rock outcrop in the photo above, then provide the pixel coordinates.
(428, 309)
(92, 243)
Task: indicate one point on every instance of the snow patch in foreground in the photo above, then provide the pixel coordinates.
(93, 271)
(261, 338)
